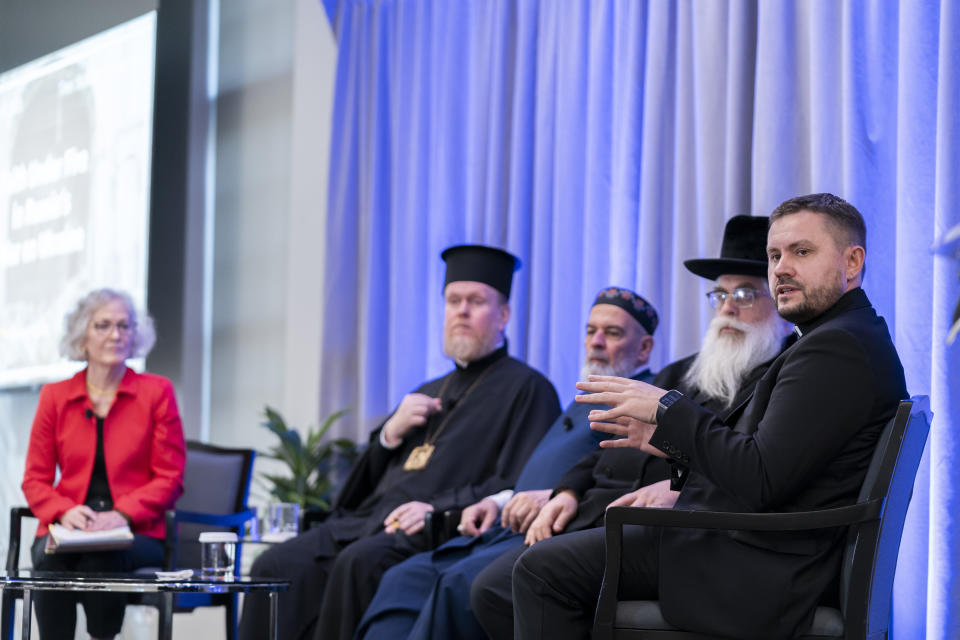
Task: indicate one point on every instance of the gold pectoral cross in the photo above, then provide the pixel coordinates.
(418, 458)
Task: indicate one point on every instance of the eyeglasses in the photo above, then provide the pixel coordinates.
(105, 327)
(742, 297)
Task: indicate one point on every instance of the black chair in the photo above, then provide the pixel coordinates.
(216, 484)
(875, 525)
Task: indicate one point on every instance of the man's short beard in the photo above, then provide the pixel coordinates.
(624, 368)
(725, 359)
(815, 301)
(466, 348)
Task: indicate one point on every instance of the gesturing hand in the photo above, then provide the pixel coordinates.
(413, 411)
(625, 397)
(634, 434)
(408, 518)
(519, 513)
(657, 494)
(552, 519)
(478, 517)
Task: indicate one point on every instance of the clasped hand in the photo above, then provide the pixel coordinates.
(84, 518)
(632, 414)
(518, 513)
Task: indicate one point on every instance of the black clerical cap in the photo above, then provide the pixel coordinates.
(743, 252)
(641, 310)
(479, 263)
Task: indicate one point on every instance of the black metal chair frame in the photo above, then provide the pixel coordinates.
(9, 598)
(869, 560)
(231, 521)
(174, 518)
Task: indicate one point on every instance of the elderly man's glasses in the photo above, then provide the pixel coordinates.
(105, 327)
(742, 297)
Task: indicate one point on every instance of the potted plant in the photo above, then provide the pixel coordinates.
(312, 464)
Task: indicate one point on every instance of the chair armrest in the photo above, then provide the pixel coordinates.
(440, 527)
(792, 521)
(432, 525)
(616, 517)
(13, 548)
(176, 516)
(451, 520)
(214, 519)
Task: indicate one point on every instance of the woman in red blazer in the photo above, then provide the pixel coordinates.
(116, 437)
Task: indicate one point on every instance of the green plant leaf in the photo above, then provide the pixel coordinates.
(310, 461)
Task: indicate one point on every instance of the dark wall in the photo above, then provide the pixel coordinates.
(32, 28)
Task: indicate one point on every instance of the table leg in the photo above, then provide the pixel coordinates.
(273, 614)
(166, 616)
(27, 614)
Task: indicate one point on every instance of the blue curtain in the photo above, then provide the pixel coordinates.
(606, 141)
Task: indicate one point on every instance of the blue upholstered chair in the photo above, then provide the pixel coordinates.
(216, 485)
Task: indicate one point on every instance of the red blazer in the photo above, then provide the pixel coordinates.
(142, 442)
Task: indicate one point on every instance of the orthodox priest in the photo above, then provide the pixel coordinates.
(451, 442)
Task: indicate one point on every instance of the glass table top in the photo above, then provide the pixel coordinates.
(135, 582)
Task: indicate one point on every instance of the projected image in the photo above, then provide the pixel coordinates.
(75, 130)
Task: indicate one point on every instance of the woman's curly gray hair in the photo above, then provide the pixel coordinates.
(75, 323)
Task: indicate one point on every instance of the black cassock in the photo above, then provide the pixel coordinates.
(495, 410)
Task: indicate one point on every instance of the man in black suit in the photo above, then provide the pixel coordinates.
(803, 441)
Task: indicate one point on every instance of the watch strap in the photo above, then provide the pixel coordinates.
(665, 401)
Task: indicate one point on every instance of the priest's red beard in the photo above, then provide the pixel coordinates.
(467, 348)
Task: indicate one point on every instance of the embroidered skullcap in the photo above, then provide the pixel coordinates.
(641, 310)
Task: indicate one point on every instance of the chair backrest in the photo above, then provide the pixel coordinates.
(216, 480)
(870, 556)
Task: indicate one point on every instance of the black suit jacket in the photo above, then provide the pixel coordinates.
(604, 475)
(802, 442)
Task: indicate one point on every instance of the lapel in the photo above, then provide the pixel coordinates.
(738, 416)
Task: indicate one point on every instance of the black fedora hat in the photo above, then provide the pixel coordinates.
(743, 252)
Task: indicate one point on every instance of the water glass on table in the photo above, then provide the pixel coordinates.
(218, 549)
(283, 521)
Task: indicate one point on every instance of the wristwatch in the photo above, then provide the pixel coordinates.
(665, 401)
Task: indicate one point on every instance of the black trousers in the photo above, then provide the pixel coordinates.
(356, 573)
(491, 595)
(556, 583)
(57, 610)
(313, 561)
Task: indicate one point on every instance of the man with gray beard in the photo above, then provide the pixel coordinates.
(452, 441)
(428, 595)
(743, 338)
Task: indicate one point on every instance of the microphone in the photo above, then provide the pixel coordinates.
(567, 423)
(89, 414)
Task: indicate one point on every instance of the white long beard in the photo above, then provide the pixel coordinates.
(725, 359)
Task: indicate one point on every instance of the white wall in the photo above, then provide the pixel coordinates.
(277, 63)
